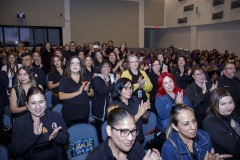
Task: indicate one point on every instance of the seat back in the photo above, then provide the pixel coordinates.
(4, 152)
(150, 123)
(48, 95)
(103, 130)
(58, 108)
(81, 131)
(7, 121)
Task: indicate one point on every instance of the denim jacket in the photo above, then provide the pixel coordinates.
(163, 106)
(202, 144)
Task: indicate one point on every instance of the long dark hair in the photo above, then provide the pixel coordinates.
(67, 71)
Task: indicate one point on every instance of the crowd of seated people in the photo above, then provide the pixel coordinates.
(90, 78)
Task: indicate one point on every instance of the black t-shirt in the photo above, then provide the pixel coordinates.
(77, 107)
(133, 106)
(54, 76)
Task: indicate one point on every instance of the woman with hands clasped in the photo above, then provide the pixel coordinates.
(198, 93)
(75, 90)
(168, 95)
(122, 95)
(40, 134)
(181, 73)
(184, 140)
(121, 144)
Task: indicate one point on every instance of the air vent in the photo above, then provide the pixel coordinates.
(188, 8)
(217, 15)
(218, 2)
(182, 20)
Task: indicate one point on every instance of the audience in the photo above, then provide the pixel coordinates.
(81, 78)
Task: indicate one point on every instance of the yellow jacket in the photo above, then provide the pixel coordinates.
(147, 87)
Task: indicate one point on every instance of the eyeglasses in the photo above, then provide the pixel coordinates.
(125, 132)
(198, 74)
(128, 88)
(23, 60)
(106, 66)
(75, 64)
(231, 68)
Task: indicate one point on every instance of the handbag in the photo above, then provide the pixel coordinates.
(6, 135)
(175, 146)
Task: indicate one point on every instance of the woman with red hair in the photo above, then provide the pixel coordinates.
(168, 95)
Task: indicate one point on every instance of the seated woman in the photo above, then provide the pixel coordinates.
(184, 140)
(168, 95)
(40, 134)
(223, 124)
(122, 132)
(74, 91)
(122, 95)
(25, 80)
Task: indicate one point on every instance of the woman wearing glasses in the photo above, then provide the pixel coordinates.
(74, 91)
(122, 95)
(122, 132)
(198, 93)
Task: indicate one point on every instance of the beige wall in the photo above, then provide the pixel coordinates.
(38, 12)
(104, 20)
(154, 12)
(174, 10)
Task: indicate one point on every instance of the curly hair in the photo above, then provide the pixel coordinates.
(18, 84)
(67, 71)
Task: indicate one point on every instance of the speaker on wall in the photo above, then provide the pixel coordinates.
(188, 8)
(217, 15)
(235, 4)
(182, 20)
(217, 2)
